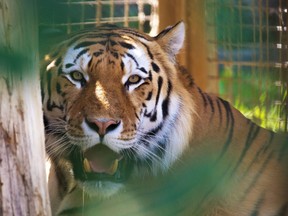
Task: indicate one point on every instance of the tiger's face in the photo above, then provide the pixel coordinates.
(112, 100)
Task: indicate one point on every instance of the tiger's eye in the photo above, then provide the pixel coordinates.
(134, 79)
(77, 76)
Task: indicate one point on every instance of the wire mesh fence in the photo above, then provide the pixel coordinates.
(248, 51)
(59, 18)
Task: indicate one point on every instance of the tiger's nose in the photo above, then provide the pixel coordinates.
(102, 125)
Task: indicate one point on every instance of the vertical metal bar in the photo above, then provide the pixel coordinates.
(154, 18)
(126, 13)
(285, 62)
(283, 58)
(239, 53)
(141, 15)
(280, 30)
(82, 15)
(230, 78)
(68, 30)
(259, 71)
(98, 12)
(267, 58)
(112, 8)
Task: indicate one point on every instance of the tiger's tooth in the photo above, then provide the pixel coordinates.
(86, 165)
(113, 167)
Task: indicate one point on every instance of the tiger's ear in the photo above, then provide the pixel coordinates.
(172, 39)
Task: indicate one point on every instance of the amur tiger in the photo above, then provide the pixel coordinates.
(128, 132)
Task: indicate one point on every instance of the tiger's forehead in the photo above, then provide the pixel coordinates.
(114, 48)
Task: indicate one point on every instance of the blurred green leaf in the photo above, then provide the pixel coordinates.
(11, 62)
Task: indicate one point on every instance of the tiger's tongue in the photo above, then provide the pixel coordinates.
(101, 158)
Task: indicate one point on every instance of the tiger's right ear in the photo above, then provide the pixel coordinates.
(172, 39)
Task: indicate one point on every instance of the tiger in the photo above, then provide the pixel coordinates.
(128, 132)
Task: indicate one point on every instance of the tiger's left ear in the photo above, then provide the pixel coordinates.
(172, 39)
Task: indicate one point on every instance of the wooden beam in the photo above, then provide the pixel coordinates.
(23, 189)
(194, 54)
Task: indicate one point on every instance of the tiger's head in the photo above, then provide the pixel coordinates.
(114, 105)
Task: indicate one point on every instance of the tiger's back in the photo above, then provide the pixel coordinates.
(120, 113)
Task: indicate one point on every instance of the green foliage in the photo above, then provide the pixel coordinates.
(257, 97)
(14, 63)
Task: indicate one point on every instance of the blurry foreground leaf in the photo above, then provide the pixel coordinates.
(14, 63)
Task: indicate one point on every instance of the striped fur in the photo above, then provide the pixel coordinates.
(167, 129)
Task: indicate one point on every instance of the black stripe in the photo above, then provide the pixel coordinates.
(210, 103)
(143, 70)
(150, 75)
(84, 44)
(111, 62)
(262, 150)
(253, 132)
(122, 65)
(271, 137)
(149, 96)
(220, 113)
(126, 45)
(115, 54)
(98, 62)
(49, 77)
(165, 103)
(146, 114)
(59, 71)
(86, 35)
(58, 61)
(133, 58)
(69, 65)
(154, 116)
(104, 43)
(90, 62)
(164, 32)
(82, 52)
(270, 141)
(255, 211)
(229, 115)
(228, 111)
(137, 116)
(98, 53)
(282, 211)
(58, 88)
(148, 51)
(112, 43)
(152, 133)
(134, 33)
(52, 105)
(203, 97)
(160, 82)
(155, 67)
(260, 172)
(283, 153)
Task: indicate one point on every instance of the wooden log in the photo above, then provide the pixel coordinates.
(23, 189)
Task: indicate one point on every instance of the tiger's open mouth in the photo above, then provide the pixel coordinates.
(100, 163)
